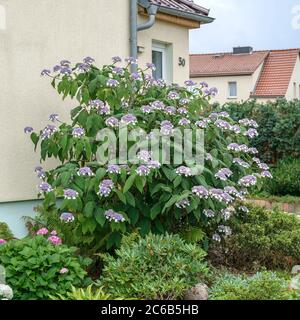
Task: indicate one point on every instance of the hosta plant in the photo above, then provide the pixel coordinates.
(104, 194)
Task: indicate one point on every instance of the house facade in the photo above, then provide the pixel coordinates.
(246, 74)
(37, 34)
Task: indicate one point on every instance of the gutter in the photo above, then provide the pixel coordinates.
(134, 27)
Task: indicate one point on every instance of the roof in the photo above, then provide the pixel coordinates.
(225, 64)
(181, 8)
(276, 74)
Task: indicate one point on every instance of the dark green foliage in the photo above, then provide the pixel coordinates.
(33, 268)
(261, 286)
(5, 232)
(286, 179)
(279, 127)
(261, 238)
(157, 267)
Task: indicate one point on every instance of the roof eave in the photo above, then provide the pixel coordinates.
(267, 96)
(208, 75)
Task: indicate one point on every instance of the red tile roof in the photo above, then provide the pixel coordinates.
(182, 5)
(224, 64)
(276, 74)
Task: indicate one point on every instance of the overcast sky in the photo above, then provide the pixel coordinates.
(262, 24)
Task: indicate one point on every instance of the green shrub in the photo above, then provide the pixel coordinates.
(261, 286)
(89, 293)
(279, 126)
(286, 179)
(5, 232)
(147, 196)
(157, 267)
(37, 269)
(261, 238)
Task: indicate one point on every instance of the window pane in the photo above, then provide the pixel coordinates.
(232, 89)
(157, 59)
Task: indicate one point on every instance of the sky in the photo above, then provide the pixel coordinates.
(262, 24)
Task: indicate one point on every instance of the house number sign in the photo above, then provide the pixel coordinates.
(181, 62)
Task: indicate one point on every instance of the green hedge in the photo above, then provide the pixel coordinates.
(279, 131)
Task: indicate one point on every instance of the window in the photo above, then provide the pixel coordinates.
(232, 86)
(162, 59)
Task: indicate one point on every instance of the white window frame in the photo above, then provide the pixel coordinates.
(161, 48)
(229, 91)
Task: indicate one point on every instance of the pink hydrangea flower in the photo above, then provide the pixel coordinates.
(55, 240)
(42, 231)
(2, 241)
(64, 270)
(53, 233)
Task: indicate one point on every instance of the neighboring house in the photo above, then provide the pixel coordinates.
(37, 34)
(245, 74)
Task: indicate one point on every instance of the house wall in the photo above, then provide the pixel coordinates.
(176, 37)
(294, 79)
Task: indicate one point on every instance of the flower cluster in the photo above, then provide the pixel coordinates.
(105, 188)
(114, 216)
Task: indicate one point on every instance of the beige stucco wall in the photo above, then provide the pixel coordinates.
(38, 34)
(176, 36)
(294, 79)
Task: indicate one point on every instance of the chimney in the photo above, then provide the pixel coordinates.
(242, 50)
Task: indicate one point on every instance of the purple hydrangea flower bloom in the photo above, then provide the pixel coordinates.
(65, 71)
(231, 191)
(116, 59)
(113, 169)
(201, 124)
(224, 174)
(236, 129)
(131, 60)
(227, 213)
(119, 71)
(85, 171)
(53, 117)
(244, 148)
(146, 109)
(184, 122)
(216, 237)
(67, 217)
(153, 164)
(143, 170)
(112, 122)
(170, 110)
(96, 104)
(144, 155)
(105, 188)
(213, 91)
(173, 95)
(184, 101)
(226, 230)
(70, 194)
(78, 132)
(104, 109)
(208, 157)
(56, 68)
(241, 163)
(220, 195)
(166, 128)
(256, 160)
(82, 67)
(151, 66)
(253, 123)
(48, 131)
(266, 174)
(244, 122)
(45, 72)
(224, 114)
(224, 125)
(161, 83)
(45, 187)
(129, 119)
(182, 204)
(157, 105)
(253, 151)
(38, 169)
(88, 60)
(204, 84)
(135, 76)
(263, 166)
(201, 192)
(251, 133)
(182, 111)
(28, 130)
(112, 83)
(248, 181)
(114, 216)
(41, 174)
(65, 63)
(234, 147)
(184, 171)
(190, 83)
(209, 213)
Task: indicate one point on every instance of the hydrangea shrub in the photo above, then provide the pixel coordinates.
(104, 201)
